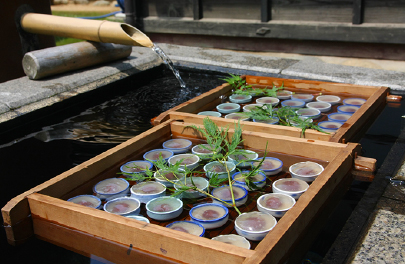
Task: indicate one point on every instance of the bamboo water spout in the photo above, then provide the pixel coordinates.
(92, 30)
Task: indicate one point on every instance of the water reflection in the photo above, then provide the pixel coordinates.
(124, 117)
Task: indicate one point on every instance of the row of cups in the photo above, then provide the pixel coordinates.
(311, 111)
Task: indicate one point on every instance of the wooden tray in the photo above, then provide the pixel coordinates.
(44, 211)
(351, 131)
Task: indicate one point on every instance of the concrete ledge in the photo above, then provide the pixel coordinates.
(314, 68)
(23, 95)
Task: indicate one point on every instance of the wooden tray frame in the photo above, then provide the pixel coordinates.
(119, 239)
(351, 131)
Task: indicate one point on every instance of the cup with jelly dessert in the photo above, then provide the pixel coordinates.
(276, 204)
(189, 227)
(291, 186)
(209, 215)
(254, 225)
(125, 206)
(164, 208)
(148, 190)
(111, 188)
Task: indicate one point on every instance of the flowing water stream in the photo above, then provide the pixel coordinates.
(169, 63)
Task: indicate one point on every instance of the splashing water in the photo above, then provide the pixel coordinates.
(169, 63)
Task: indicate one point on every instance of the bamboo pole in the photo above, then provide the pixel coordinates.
(93, 30)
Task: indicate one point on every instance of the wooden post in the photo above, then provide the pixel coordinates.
(358, 12)
(265, 10)
(197, 9)
(51, 61)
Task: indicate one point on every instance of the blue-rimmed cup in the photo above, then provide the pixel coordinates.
(199, 182)
(178, 145)
(168, 178)
(270, 121)
(307, 171)
(293, 103)
(276, 204)
(233, 239)
(156, 154)
(348, 109)
(339, 117)
(331, 99)
(237, 116)
(209, 215)
(111, 188)
(125, 206)
(146, 191)
(259, 180)
(299, 124)
(354, 101)
(311, 113)
(220, 169)
(188, 160)
(273, 101)
(164, 208)
(136, 167)
(210, 113)
(284, 94)
(254, 225)
(86, 200)
(330, 126)
(321, 106)
(227, 108)
(139, 218)
(290, 186)
(270, 165)
(223, 193)
(249, 107)
(240, 98)
(189, 227)
(243, 159)
(204, 151)
(304, 97)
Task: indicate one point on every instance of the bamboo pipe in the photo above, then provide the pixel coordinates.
(55, 60)
(93, 30)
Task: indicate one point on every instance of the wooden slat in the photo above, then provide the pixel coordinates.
(316, 149)
(253, 126)
(93, 246)
(314, 86)
(151, 238)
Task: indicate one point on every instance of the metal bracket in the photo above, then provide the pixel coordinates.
(263, 31)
